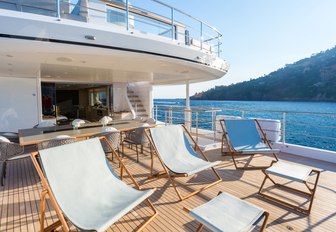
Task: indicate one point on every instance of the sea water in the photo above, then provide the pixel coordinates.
(311, 124)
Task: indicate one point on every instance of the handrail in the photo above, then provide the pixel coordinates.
(184, 26)
(190, 16)
(290, 125)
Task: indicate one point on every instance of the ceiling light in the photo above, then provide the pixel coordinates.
(64, 59)
(90, 37)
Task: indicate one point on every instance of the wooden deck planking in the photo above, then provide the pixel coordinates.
(20, 197)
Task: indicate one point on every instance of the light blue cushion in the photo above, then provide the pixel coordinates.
(90, 196)
(244, 137)
(176, 152)
(228, 213)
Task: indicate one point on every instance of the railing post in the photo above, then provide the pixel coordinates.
(156, 113)
(283, 135)
(170, 117)
(214, 123)
(196, 119)
(127, 15)
(58, 14)
(166, 117)
(172, 24)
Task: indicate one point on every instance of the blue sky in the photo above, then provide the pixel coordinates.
(260, 36)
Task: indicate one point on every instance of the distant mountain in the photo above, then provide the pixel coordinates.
(310, 79)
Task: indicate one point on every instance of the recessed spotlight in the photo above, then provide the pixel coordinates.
(10, 64)
(64, 59)
(10, 56)
(90, 37)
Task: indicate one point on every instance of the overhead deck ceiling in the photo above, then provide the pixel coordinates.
(69, 63)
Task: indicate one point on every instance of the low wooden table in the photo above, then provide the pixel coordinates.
(36, 135)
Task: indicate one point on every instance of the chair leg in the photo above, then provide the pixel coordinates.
(136, 148)
(200, 228)
(310, 195)
(3, 173)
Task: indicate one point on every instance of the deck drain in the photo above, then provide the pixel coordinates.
(289, 228)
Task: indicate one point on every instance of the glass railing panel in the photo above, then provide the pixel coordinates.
(147, 16)
(307, 129)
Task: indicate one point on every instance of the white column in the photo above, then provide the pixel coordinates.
(187, 95)
(187, 115)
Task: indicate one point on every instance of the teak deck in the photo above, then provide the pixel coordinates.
(20, 197)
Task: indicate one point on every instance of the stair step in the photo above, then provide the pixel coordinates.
(135, 100)
(142, 114)
(138, 105)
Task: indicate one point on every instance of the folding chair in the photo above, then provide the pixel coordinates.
(294, 173)
(242, 138)
(84, 189)
(177, 157)
(228, 213)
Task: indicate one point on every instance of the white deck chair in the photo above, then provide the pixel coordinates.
(178, 158)
(294, 173)
(83, 187)
(241, 137)
(228, 213)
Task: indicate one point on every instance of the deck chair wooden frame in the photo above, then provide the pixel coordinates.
(264, 217)
(310, 194)
(233, 152)
(62, 220)
(166, 173)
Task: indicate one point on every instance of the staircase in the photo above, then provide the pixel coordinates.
(137, 105)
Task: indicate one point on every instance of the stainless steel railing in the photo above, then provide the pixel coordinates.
(147, 16)
(311, 129)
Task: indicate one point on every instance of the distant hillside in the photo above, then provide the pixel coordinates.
(310, 79)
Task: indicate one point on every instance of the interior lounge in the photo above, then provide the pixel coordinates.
(65, 102)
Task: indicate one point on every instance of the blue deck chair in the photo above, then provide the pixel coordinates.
(228, 213)
(241, 137)
(293, 173)
(83, 187)
(177, 157)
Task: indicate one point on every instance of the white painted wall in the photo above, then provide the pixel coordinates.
(120, 97)
(18, 103)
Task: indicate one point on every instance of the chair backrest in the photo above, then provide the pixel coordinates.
(8, 149)
(172, 145)
(57, 141)
(112, 136)
(78, 174)
(139, 135)
(242, 132)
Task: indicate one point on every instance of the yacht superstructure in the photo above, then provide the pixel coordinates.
(77, 59)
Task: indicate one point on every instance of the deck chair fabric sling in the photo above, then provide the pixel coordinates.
(241, 137)
(83, 187)
(228, 213)
(290, 172)
(178, 158)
